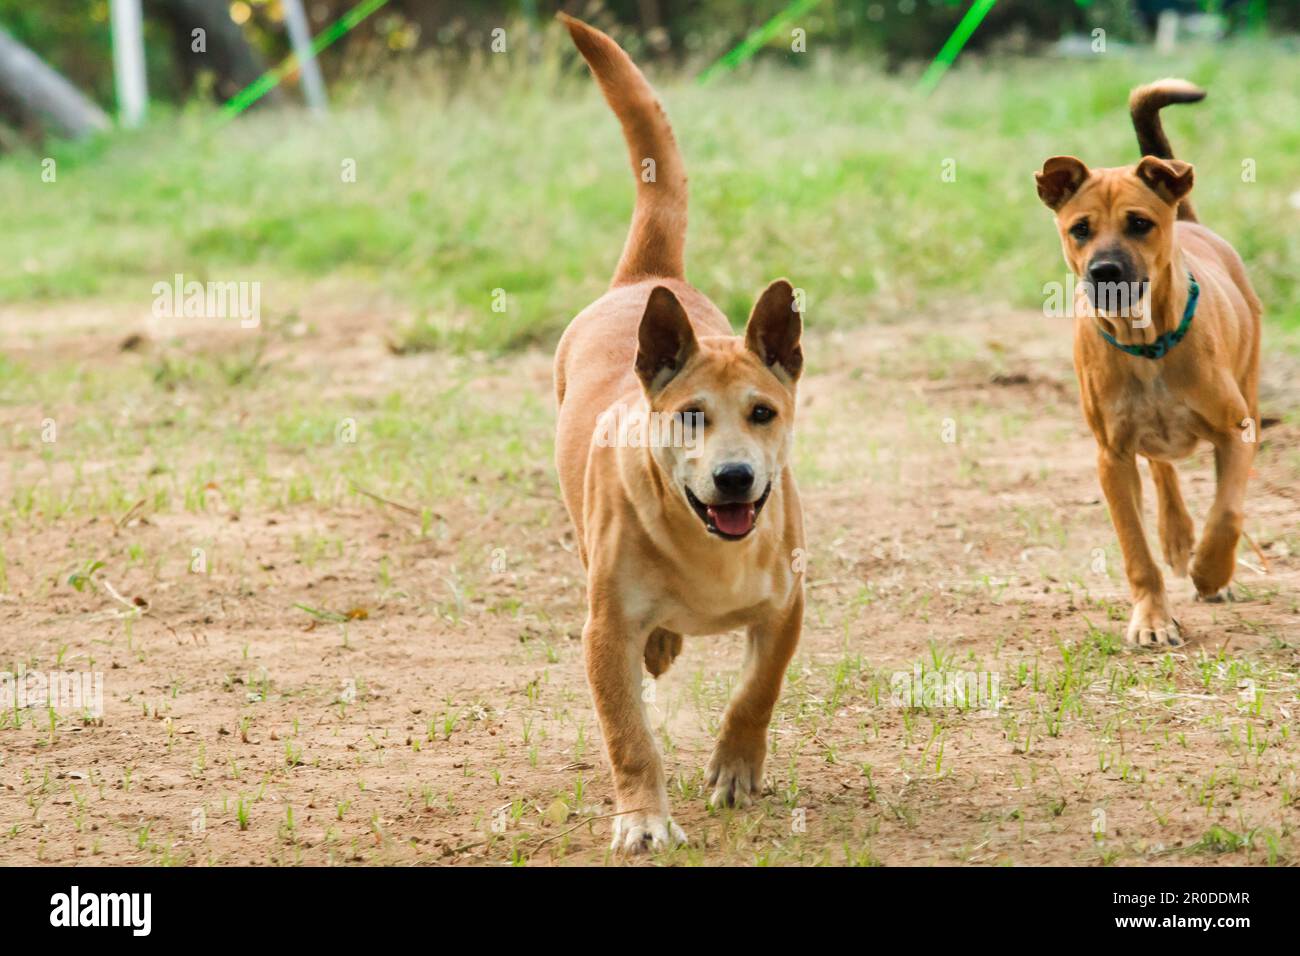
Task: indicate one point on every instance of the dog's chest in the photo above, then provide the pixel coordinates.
(1154, 420)
(723, 598)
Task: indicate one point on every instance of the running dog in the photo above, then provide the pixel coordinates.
(672, 447)
(1163, 370)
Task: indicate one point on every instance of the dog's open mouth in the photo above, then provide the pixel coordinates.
(732, 520)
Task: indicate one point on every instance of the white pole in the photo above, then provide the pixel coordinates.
(128, 61)
(1167, 32)
(313, 87)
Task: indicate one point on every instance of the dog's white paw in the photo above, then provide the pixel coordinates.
(645, 833)
(736, 779)
(1152, 626)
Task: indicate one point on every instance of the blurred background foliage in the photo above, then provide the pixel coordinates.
(74, 36)
(477, 171)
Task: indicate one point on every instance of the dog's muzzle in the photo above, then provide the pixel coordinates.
(1112, 284)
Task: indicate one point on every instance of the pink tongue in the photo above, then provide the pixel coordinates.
(732, 519)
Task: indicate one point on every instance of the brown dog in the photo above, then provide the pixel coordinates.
(1169, 369)
(697, 534)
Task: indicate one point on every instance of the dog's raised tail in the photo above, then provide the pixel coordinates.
(1144, 105)
(656, 242)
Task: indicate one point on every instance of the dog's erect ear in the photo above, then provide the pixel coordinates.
(1060, 179)
(1170, 179)
(665, 340)
(774, 329)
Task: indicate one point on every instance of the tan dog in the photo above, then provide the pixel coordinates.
(1199, 327)
(697, 534)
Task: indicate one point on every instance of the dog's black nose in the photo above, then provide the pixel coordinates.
(1105, 270)
(733, 478)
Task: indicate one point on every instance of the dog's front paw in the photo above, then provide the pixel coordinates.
(640, 832)
(1152, 625)
(1221, 596)
(735, 774)
(1215, 562)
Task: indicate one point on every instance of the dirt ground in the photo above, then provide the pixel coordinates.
(396, 677)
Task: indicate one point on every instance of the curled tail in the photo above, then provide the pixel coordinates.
(656, 242)
(1144, 105)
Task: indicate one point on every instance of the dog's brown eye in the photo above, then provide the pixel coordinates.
(1139, 225)
(762, 414)
(691, 417)
(1080, 230)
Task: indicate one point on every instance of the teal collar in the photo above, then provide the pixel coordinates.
(1162, 346)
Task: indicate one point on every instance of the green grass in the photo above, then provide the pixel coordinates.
(513, 176)
(285, 438)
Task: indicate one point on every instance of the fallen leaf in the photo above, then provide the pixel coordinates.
(557, 812)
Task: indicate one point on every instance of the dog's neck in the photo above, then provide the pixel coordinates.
(1163, 307)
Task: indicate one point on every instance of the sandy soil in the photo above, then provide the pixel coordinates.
(448, 721)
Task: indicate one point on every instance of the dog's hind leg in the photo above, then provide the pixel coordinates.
(661, 650)
(1177, 534)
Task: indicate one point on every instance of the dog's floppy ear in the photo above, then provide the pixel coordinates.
(665, 340)
(774, 329)
(1170, 179)
(1060, 179)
